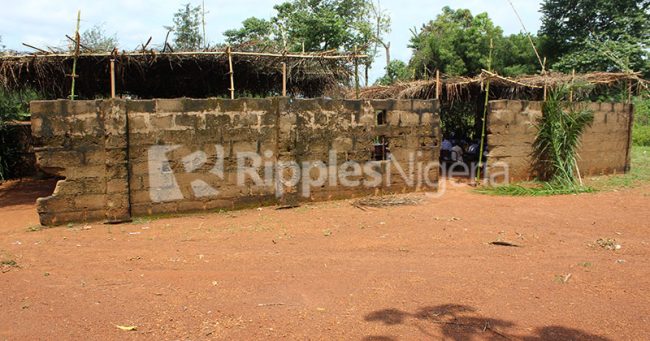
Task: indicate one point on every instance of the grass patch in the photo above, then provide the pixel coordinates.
(641, 135)
(7, 262)
(534, 189)
(142, 220)
(638, 175)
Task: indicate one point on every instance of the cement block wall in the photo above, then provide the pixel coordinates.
(138, 157)
(605, 146)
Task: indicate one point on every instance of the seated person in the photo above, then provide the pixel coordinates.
(457, 153)
(446, 145)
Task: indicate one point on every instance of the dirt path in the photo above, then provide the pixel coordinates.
(332, 271)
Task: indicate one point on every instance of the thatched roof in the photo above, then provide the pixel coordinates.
(154, 74)
(530, 87)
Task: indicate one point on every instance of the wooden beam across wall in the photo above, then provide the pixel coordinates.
(194, 53)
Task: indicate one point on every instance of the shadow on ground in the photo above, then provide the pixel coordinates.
(25, 191)
(460, 322)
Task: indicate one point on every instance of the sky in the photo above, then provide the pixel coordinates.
(46, 22)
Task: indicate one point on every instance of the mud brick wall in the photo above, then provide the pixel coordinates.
(605, 146)
(122, 158)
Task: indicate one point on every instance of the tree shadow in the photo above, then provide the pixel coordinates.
(461, 322)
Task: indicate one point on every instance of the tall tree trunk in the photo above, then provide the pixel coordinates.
(387, 46)
(366, 75)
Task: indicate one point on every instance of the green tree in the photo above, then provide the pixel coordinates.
(397, 71)
(324, 25)
(318, 25)
(187, 21)
(96, 39)
(597, 35)
(515, 56)
(458, 43)
(253, 30)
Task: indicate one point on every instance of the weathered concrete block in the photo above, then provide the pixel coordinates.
(403, 105)
(421, 106)
(169, 105)
(38, 108)
(54, 204)
(90, 202)
(138, 122)
(140, 106)
(200, 105)
(186, 120)
(498, 105)
(162, 121)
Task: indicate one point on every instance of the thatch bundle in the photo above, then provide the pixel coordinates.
(523, 87)
(153, 74)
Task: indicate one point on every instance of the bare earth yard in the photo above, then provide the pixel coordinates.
(332, 271)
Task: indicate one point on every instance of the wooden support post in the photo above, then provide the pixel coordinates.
(232, 73)
(284, 79)
(112, 78)
(486, 105)
(356, 74)
(76, 56)
(578, 172)
(437, 84)
(629, 92)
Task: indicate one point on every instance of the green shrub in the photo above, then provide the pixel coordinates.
(641, 132)
(642, 111)
(641, 135)
(558, 138)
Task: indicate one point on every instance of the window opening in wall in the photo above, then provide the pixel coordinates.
(381, 151)
(381, 117)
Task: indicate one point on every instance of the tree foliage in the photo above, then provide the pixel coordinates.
(324, 24)
(253, 30)
(96, 39)
(316, 25)
(397, 71)
(597, 35)
(14, 106)
(458, 43)
(187, 21)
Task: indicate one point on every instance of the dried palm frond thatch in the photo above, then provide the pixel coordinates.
(150, 74)
(530, 86)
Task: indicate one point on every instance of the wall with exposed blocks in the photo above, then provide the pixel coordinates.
(122, 158)
(605, 146)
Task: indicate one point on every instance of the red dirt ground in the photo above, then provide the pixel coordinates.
(333, 271)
